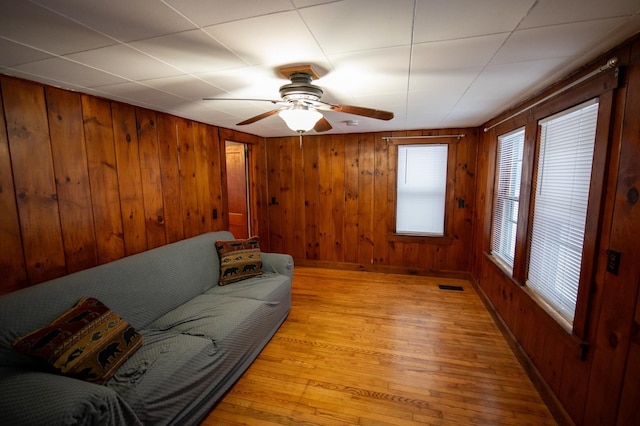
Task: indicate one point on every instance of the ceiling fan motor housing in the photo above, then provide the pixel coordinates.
(300, 88)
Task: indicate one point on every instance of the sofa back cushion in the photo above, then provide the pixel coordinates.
(139, 288)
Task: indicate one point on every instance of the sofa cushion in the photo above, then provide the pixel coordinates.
(239, 259)
(88, 342)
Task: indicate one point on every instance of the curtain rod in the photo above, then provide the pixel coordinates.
(611, 63)
(390, 138)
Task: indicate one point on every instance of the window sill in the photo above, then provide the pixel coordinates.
(562, 321)
(420, 238)
(508, 270)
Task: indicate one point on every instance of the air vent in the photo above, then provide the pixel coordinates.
(450, 287)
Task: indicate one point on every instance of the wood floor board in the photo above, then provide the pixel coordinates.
(364, 348)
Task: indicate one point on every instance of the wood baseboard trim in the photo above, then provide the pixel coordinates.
(548, 396)
(383, 268)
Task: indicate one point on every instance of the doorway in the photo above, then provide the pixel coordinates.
(238, 189)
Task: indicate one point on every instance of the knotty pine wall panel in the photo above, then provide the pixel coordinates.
(215, 167)
(188, 179)
(34, 179)
(129, 178)
(12, 267)
(170, 176)
(337, 198)
(336, 195)
(151, 177)
(103, 175)
(202, 176)
(72, 178)
(85, 181)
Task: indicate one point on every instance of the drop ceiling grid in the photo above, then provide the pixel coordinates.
(433, 63)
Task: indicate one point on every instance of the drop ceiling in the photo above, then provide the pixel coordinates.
(433, 63)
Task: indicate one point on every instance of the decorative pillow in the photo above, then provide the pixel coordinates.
(239, 259)
(88, 342)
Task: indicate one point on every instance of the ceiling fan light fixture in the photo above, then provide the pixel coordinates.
(300, 118)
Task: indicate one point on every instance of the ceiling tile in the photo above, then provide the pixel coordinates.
(511, 81)
(66, 71)
(44, 79)
(205, 13)
(125, 62)
(141, 94)
(16, 54)
(277, 39)
(184, 86)
(249, 82)
(558, 41)
(438, 85)
(307, 3)
(190, 51)
(552, 12)
(349, 25)
(453, 54)
(124, 20)
(378, 71)
(204, 113)
(453, 19)
(37, 27)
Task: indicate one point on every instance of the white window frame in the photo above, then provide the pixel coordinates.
(507, 196)
(416, 184)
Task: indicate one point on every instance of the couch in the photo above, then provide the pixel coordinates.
(196, 337)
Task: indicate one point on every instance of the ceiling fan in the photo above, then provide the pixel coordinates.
(301, 104)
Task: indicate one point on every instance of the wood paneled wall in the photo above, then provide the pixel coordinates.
(332, 203)
(85, 181)
(602, 386)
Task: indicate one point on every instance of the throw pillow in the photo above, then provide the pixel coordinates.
(88, 342)
(239, 259)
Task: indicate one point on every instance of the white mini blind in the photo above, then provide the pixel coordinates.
(421, 186)
(507, 195)
(560, 209)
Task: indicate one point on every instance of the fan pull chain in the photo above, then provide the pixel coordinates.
(300, 133)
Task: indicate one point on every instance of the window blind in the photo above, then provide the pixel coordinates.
(421, 186)
(560, 207)
(507, 195)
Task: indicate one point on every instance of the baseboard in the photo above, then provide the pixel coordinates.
(383, 268)
(548, 396)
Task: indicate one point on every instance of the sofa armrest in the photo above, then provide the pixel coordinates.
(38, 398)
(277, 262)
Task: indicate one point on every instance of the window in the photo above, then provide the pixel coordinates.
(561, 193)
(507, 197)
(422, 182)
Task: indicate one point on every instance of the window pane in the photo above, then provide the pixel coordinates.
(422, 181)
(560, 210)
(505, 209)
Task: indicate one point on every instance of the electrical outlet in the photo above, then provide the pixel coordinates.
(613, 261)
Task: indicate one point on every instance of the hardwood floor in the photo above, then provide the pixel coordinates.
(381, 349)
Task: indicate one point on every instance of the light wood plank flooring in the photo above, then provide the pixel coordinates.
(361, 348)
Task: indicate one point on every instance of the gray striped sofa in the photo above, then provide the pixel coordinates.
(198, 337)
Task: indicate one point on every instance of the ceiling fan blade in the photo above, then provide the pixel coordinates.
(322, 125)
(258, 117)
(365, 112)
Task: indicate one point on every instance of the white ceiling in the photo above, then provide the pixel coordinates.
(433, 63)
